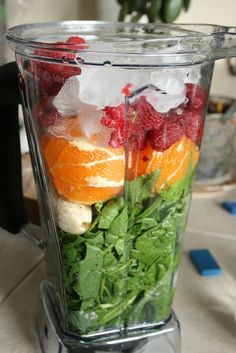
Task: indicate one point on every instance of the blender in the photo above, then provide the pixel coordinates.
(114, 115)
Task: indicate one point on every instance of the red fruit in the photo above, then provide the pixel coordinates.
(115, 118)
(138, 141)
(73, 42)
(149, 118)
(146, 158)
(117, 138)
(51, 76)
(141, 118)
(197, 98)
(145, 123)
(76, 41)
(192, 124)
(166, 136)
(127, 89)
(46, 113)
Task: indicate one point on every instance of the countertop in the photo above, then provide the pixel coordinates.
(205, 306)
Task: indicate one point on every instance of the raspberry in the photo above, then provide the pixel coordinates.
(76, 41)
(138, 141)
(115, 118)
(145, 158)
(197, 98)
(127, 89)
(117, 138)
(192, 125)
(149, 118)
(46, 113)
(51, 76)
(166, 136)
(142, 118)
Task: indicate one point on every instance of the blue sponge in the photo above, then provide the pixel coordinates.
(230, 206)
(204, 262)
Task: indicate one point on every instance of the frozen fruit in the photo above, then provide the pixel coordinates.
(114, 118)
(127, 89)
(148, 117)
(76, 41)
(197, 97)
(192, 124)
(46, 113)
(52, 76)
(141, 118)
(167, 135)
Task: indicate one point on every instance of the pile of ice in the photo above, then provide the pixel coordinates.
(68, 100)
(97, 87)
(102, 86)
(172, 91)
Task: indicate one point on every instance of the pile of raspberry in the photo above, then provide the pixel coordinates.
(51, 76)
(139, 124)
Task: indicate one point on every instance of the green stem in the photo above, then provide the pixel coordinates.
(121, 268)
(119, 309)
(150, 209)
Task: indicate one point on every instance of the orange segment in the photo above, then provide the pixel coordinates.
(82, 171)
(140, 160)
(174, 162)
(53, 149)
(76, 173)
(82, 152)
(84, 194)
(45, 138)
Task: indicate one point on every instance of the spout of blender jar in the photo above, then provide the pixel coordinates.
(13, 216)
(225, 44)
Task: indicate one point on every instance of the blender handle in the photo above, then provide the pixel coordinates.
(13, 216)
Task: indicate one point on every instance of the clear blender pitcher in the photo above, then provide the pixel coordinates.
(114, 115)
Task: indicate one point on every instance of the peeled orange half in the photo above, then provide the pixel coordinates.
(82, 171)
(173, 162)
(176, 161)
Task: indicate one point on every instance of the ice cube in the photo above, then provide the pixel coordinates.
(101, 86)
(90, 120)
(67, 101)
(172, 85)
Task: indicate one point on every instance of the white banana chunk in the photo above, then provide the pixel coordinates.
(73, 217)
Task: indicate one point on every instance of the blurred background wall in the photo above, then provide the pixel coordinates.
(201, 11)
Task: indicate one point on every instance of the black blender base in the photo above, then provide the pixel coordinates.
(165, 339)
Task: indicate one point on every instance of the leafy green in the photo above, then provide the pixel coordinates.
(140, 188)
(109, 213)
(89, 275)
(120, 271)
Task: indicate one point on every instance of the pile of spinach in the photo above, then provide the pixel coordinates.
(120, 272)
